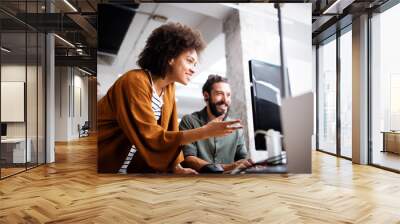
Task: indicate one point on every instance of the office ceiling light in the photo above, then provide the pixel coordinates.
(159, 18)
(65, 41)
(79, 44)
(337, 7)
(70, 5)
(5, 50)
(84, 71)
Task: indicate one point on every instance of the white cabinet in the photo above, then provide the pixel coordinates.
(16, 148)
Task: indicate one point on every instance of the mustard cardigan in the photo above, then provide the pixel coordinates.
(125, 118)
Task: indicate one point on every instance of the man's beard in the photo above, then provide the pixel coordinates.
(214, 110)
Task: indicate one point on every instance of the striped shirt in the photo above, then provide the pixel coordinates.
(156, 105)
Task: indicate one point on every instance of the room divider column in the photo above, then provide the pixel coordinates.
(50, 91)
(238, 75)
(360, 90)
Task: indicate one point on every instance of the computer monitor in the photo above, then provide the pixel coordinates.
(266, 87)
(3, 129)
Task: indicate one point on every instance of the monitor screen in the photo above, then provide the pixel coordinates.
(3, 129)
(266, 88)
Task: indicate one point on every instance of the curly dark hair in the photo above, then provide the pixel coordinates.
(167, 42)
(207, 87)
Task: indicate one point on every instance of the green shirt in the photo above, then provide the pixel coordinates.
(221, 150)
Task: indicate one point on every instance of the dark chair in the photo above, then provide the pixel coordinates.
(84, 130)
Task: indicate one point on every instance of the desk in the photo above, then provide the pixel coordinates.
(391, 141)
(13, 150)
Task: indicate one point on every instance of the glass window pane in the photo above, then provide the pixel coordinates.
(31, 97)
(327, 97)
(13, 85)
(346, 94)
(23, 87)
(385, 86)
(41, 98)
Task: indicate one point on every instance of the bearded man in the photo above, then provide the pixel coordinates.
(216, 154)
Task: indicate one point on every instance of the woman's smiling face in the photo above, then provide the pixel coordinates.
(183, 67)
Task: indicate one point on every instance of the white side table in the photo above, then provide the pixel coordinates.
(18, 148)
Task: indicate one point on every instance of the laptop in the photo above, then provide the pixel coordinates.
(297, 115)
(298, 123)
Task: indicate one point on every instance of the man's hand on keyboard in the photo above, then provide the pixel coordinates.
(243, 163)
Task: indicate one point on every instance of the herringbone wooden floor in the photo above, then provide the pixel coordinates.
(70, 191)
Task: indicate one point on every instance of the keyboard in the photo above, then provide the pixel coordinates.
(266, 169)
(275, 164)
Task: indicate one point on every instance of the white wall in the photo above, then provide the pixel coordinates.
(81, 103)
(61, 103)
(71, 94)
(296, 29)
(33, 126)
(14, 73)
(17, 73)
(314, 89)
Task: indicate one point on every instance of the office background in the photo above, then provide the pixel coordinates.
(339, 190)
(22, 94)
(39, 108)
(339, 54)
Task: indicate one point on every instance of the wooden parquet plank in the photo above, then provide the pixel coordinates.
(70, 191)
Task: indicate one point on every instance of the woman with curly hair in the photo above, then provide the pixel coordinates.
(138, 128)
